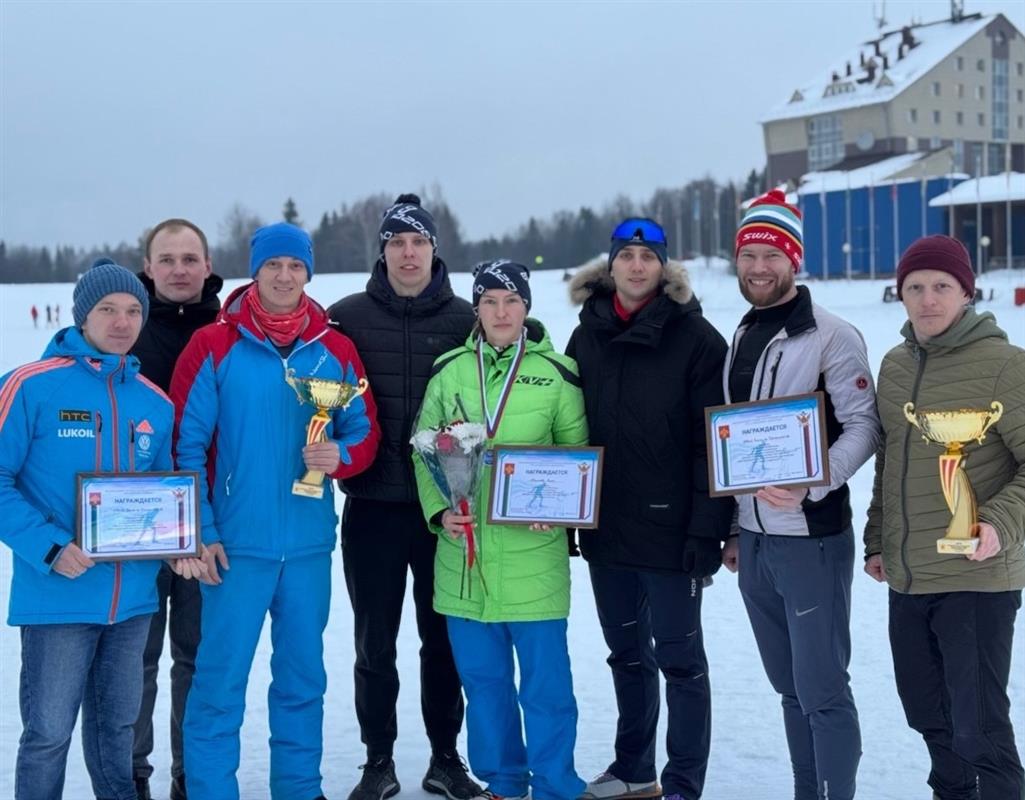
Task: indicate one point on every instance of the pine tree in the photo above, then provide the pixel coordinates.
(290, 213)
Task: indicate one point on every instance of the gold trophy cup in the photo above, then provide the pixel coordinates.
(955, 429)
(326, 396)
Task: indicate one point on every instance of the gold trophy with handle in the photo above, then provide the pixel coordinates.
(954, 430)
(326, 396)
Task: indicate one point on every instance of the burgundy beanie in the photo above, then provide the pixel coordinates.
(941, 253)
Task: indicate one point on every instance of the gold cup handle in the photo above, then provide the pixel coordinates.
(909, 412)
(996, 411)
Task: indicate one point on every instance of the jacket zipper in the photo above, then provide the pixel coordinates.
(99, 442)
(758, 396)
(906, 533)
(131, 445)
(407, 376)
(115, 449)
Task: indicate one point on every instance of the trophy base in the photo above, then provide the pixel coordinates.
(960, 547)
(314, 490)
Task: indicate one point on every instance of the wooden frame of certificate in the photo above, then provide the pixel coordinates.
(776, 442)
(545, 485)
(134, 515)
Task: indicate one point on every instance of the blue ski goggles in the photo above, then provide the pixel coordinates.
(640, 229)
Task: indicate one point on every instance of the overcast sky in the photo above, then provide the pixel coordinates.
(116, 115)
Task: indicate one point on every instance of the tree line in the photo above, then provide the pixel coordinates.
(700, 218)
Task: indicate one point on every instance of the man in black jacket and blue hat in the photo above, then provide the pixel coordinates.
(650, 363)
(407, 317)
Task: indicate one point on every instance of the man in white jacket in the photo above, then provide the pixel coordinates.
(795, 548)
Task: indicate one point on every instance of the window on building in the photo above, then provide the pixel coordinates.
(974, 165)
(982, 120)
(1021, 122)
(825, 141)
(959, 63)
(980, 65)
(959, 117)
(960, 90)
(1020, 94)
(935, 143)
(912, 115)
(1001, 98)
(935, 117)
(995, 158)
(935, 88)
(958, 165)
(980, 92)
(1021, 69)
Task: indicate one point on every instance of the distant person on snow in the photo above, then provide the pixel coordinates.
(35, 316)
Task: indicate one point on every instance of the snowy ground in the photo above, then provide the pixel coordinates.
(749, 757)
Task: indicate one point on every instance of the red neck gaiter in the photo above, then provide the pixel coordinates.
(282, 329)
(621, 311)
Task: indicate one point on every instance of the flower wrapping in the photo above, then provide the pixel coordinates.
(454, 456)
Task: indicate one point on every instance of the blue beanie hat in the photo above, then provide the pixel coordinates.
(105, 277)
(280, 239)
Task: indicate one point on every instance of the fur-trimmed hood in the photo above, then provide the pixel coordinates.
(595, 278)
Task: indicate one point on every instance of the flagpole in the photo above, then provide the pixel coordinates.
(871, 227)
(896, 224)
(825, 240)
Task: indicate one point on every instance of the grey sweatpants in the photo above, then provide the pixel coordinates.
(797, 591)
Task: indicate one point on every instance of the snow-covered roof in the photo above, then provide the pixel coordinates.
(882, 171)
(935, 41)
(991, 189)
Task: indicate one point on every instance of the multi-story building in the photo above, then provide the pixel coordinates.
(956, 85)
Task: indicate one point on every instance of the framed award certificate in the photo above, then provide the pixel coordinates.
(545, 485)
(775, 442)
(130, 515)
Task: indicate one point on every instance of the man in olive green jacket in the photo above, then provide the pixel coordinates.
(951, 616)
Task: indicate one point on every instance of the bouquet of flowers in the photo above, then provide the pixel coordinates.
(454, 455)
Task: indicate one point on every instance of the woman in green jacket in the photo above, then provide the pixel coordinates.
(508, 377)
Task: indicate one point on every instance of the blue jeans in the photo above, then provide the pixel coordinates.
(494, 731)
(63, 667)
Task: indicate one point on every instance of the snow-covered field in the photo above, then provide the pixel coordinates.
(749, 757)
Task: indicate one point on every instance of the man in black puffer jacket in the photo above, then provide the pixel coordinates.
(406, 318)
(650, 363)
(182, 289)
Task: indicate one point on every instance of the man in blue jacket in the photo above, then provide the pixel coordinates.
(83, 624)
(242, 428)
